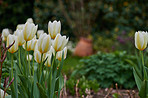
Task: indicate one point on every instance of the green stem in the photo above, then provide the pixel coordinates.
(33, 66)
(26, 72)
(19, 51)
(29, 64)
(11, 65)
(40, 67)
(144, 70)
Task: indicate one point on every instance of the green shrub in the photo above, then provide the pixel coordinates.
(108, 69)
(82, 85)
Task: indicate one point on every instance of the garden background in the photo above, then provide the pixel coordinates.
(107, 25)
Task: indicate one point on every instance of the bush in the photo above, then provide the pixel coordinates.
(82, 85)
(108, 69)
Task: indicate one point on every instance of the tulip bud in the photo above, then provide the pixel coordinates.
(48, 61)
(33, 43)
(37, 56)
(141, 39)
(39, 33)
(21, 40)
(20, 26)
(59, 54)
(10, 40)
(28, 45)
(30, 20)
(5, 32)
(4, 38)
(59, 42)
(30, 57)
(54, 28)
(29, 31)
(44, 43)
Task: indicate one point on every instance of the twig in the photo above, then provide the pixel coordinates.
(109, 91)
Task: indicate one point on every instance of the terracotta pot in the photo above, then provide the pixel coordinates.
(84, 47)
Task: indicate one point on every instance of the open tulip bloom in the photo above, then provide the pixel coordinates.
(140, 71)
(38, 62)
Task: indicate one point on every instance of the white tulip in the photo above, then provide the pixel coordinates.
(48, 61)
(59, 54)
(141, 39)
(10, 40)
(30, 57)
(44, 43)
(54, 28)
(59, 42)
(20, 26)
(39, 33)
(5, 32)
(29, 31)
(19, 33)
(30, 20)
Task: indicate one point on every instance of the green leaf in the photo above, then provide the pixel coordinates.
(35, 89)
(15, 84)
(143, 90)
(137, 79)
(42, 91)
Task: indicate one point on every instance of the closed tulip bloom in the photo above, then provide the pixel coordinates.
(29, 31)
(39, 33)
(4, 38)
(141, 39)
(48, 61)
(59, 42)
(21, 40)
(59, 54)
(10, 40)
(54, 28)
(37, 56)
(30, 20)
(33, 43)
(30, 57)
(5, 32)
(20, 26)
(28, 45)
(44, 43)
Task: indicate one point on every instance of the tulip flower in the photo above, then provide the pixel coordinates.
(33, 43)
(21, 40)
(5, 32)
(37, 56)
(28, 45)
(141, 39)
(29, 31)
(59, 54)
(4, 38)
(30, 20)
(10, 40)
(39, 33)
(54, 28)
(59, 42)
(44, 43)
(30, 57)
(48, 61)
(20, 26)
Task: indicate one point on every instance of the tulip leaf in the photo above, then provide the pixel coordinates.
(15, 84)
(36, 91)
(42, 91)
(143, 90)
(61, 84)
(137, 79)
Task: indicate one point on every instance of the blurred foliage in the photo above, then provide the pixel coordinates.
(83, 84)
(122, 40)
(13, 12)
(103, 17)
(108, 69)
